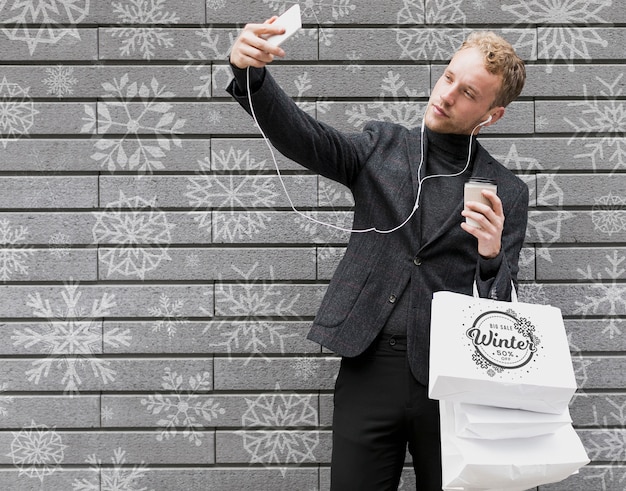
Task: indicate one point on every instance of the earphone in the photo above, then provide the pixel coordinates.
(488, 120)
(419, 169)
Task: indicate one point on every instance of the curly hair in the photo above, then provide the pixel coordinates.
(500, 59)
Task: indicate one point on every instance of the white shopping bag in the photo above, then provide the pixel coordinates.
(496, 423)
(507, 354)
(509, 464)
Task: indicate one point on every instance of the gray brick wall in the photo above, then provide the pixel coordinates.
(156, 290)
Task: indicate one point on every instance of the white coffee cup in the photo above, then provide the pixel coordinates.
(472, 192)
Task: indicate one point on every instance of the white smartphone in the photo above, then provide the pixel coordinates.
(291, 20)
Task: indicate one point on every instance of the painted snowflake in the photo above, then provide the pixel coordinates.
(305, 367)
(267, 443)
(303, 85)
(71, 336)
(17, 111)
(140, 235)
(144, 40)
(59, 245)
(391, 106)
(417, 43)
(60, 81)
(547, 227)
(5, 401)
(52, 17)
(609, 214)
(608, 445)
(186, 408)
(213, 48)
(216, 4)
(116, 476)
(312, 9)
(170, 315)
(14, 253)
(206, 190)
(561, 36)
(605, 115)
(253, 302)
(152, 116)
(37, 451)
(608, 297)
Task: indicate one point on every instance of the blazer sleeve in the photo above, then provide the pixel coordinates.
(494, 277)
(300, 137)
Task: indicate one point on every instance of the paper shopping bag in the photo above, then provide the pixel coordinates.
(496, 423)
(507, 354)
(507, 464)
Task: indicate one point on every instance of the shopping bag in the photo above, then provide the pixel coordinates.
(507, 464)
(507, 354)
(496, 423)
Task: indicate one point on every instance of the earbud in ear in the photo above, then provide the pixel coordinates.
(486, 120)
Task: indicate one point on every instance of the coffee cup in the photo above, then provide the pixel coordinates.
(473, 192)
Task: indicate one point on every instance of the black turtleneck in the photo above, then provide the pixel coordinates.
(445, 154)
(440, 196)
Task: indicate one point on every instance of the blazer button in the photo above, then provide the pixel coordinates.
(392, 298)
(417, 261)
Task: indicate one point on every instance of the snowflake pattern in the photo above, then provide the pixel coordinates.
(609, 445)
(116, 476)
(52, 17)
(609, 214)
(391, 106)
(170, 313)
(305, 367)
(271, 445)
(5, 401)
(59, 245)
(140, 232)
(71, 337)
(311, 9)
(608, 297)
(183, 407)
(607, 116)
(131, 151)
(17, 111)
(546, 226)
(205, 191)
(212, 49)
(417, 43)
(60, 81)
(558, 40)
(253, 304)
(37, 451)
(13, 252)
(144, 40)
(216, 4)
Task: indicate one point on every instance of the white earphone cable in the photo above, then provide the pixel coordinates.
(371, 229)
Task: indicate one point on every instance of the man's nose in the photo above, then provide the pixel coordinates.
(447, 96)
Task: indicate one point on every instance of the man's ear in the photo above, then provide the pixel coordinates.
(496, 113)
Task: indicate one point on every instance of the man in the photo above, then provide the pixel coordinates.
(376, 312)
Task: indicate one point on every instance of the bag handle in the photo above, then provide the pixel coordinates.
(513, 291)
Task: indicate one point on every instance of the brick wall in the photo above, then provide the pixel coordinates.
(156, 289)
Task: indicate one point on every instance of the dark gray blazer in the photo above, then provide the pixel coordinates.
(379, 165)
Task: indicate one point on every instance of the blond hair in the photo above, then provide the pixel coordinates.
(500, 59)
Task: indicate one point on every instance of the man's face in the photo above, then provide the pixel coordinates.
(464, 95)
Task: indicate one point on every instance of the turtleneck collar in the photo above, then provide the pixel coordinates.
(451, 146)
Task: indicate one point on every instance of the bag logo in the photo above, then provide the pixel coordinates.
(502, 341)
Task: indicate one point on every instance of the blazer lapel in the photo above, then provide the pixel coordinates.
(414, 145)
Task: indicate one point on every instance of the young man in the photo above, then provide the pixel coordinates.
(376, 312)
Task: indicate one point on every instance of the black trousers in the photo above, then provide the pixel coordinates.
(379, 409)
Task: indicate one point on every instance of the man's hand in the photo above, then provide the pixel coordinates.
(491, 222)
(251, 48)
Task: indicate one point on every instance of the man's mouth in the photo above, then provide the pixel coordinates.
(439, 111)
